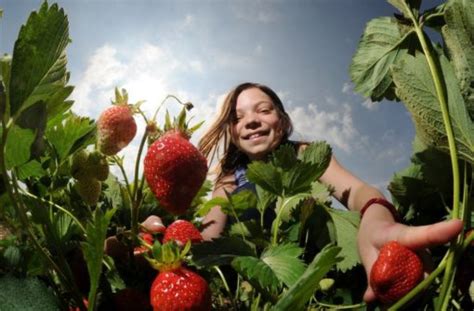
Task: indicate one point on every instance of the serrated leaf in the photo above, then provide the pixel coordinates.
(302, 291)
(286, 205)
(65, 135)
(206, 206)
(39, 60)
(320, 192)
(406, 6)
(266, 175)
(18, 146)
(299, 178)
(379, 48)
(265, 198)
(416, 88)
(93, 248)
(30, 169)
(257, 272)
(220, 251)
(241, 201)
(346, 224)
(284, 261)
(317, 153)
(284, 157)
(458, 35)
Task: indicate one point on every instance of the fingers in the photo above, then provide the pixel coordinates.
(426, 236)
(369, 295)
(153, 224)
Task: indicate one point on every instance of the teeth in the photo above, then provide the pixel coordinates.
(254, 136)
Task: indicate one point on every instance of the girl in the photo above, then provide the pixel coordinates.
(253, 123)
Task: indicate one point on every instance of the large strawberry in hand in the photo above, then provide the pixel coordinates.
(116, 126)
(396, 271)
(175, 170)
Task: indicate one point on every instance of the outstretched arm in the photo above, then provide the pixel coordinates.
(378, 226)
(214, 222)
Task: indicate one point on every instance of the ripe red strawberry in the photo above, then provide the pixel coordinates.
(180, 289)
(116, 126)
(175, 171)
(395, 272)
(182, 231)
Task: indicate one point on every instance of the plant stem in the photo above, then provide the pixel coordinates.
(436, 76)
(276, 223)
(62, 209)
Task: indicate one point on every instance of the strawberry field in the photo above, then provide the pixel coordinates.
(74, 236)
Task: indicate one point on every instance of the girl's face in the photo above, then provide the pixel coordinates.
(256, 128)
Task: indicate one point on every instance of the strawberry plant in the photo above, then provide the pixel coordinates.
(77, 237)
(397, 60)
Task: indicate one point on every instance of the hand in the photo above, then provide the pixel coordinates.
(377, 228)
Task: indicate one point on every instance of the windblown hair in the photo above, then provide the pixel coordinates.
(218, 140)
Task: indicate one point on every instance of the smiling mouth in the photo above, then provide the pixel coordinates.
(255, 135)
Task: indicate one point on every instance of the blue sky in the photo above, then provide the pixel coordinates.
(199, 50)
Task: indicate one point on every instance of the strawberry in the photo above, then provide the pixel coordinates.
(98, 166)
(175, 171)
(116, 126)
(180, 289)
(79, 165)
(182, 231)
(395, 272)
(89, 190)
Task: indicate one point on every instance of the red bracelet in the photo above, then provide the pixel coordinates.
(383, 202)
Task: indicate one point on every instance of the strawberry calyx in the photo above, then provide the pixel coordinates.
(168, 256)
(121, 99)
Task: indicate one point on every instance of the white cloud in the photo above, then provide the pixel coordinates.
(347, 88)
(370, 105)
(336, 127)
(256, 11)
(148, 73)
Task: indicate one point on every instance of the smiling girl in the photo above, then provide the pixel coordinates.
(252, 124)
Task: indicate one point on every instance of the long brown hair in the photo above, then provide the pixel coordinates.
(218, 140)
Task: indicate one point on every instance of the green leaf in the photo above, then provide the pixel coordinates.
(416, 88)
(459, 37)
(320, 192)
(257, 272)
(283, 260)
(65, 135)
(302, 291)
(266, 175)
(18, 146)
(381, 46)
(206, 206)
(406, 6)
(284, 157)
(28, 294)
(220, 251)
(317, 153)
(39, 60)
(346, 224)
(265, 198)
(93, 248)
(31, 169)
(286, 205)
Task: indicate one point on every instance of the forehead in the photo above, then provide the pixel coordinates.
(252, 97)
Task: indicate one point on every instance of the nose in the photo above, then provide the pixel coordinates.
(252, 121)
